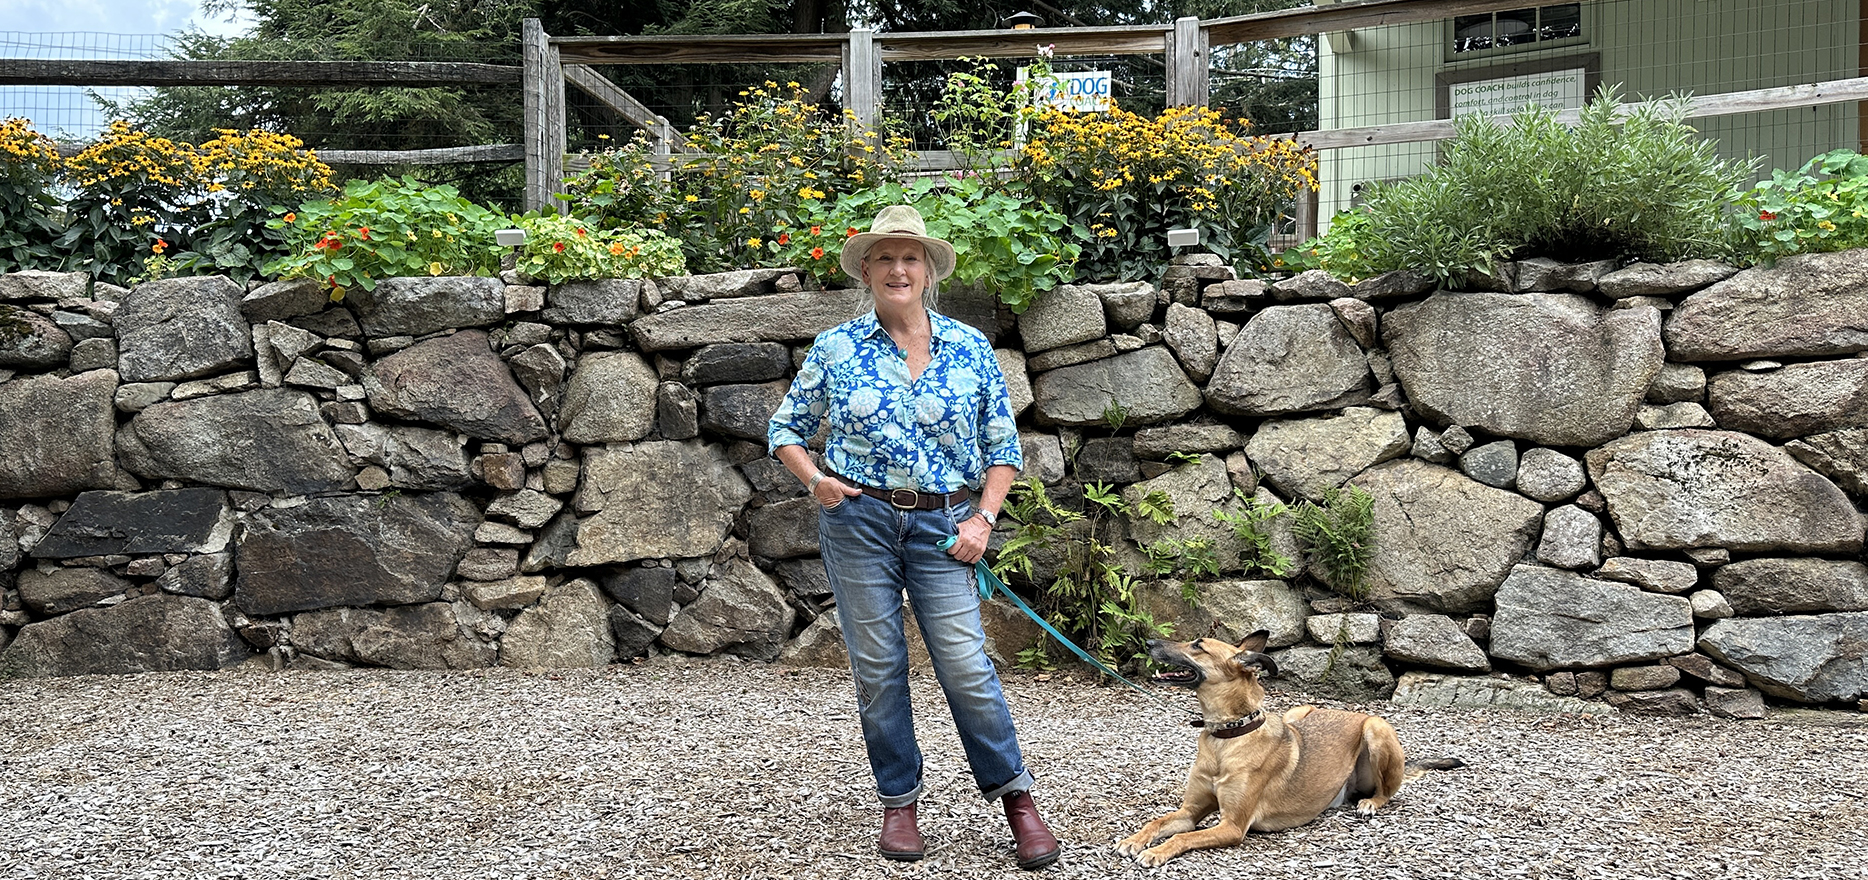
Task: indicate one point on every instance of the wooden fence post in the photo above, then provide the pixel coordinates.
(544, 117)
(1187, 64)
(862, 77)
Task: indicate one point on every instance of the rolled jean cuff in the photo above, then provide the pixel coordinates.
(901, 800)
(1021, 782)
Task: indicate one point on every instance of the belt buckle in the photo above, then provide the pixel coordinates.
(913, 499)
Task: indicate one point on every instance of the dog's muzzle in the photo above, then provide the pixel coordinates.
(1183, 673)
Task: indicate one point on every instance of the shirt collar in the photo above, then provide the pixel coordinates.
(943, 328)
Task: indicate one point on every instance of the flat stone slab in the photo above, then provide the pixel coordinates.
(135, 523)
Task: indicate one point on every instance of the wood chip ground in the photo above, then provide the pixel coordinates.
(718, 769)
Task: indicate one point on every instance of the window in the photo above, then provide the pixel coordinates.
(1519, 28)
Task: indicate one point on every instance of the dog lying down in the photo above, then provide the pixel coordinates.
(1262, 772)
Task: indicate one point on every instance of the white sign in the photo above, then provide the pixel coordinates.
(1556, 90)
(1083, 91)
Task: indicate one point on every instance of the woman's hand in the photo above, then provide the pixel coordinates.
(970, 547)
(831, 491)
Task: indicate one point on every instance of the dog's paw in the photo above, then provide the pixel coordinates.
(1130, 846)
(1367, 807)
(1153, 858)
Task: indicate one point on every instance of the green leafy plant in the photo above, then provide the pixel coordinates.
(1092, 600)
(977, 117)
(1636, 184)
(559, 249)
(387, 228)
(1181, 459)
(1340, 536)
(29, 166)
(1003, 241)
(1190, 559)
(1822, 206)
(131, 194)
(747, 178)
(1115, 415)
(1252, 526)
(250, 177)
(1126, 179)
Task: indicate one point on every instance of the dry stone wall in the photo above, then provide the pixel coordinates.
(1637, 484)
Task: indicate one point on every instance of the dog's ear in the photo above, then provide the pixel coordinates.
(1255, 642)
(1252, 661)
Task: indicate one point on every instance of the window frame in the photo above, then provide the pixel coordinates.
(1585, 20)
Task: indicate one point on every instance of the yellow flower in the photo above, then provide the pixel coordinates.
(753, 242)
(692, 198)
(434, 268)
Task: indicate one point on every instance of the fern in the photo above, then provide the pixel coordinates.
(1340, 536)
(1252, 527)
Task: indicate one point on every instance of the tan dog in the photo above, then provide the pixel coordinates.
(1259, 772)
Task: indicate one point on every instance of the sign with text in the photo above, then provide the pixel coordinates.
(1082, 91)
(1555, 90)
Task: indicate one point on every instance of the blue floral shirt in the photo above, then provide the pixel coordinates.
(934, 434)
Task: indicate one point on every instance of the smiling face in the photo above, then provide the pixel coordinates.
(896, 271)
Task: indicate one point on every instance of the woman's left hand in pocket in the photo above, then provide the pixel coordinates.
(971, 544)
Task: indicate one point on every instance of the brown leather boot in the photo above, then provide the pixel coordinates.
(901, 840)
(1037, 846)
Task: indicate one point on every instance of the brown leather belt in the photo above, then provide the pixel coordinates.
(909, 499)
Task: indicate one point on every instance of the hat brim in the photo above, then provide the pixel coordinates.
(940, 253)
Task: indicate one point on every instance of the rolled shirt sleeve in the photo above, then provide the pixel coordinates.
(998, 434)
(801, 413)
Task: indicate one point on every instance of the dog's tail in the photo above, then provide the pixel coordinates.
(1418, 768)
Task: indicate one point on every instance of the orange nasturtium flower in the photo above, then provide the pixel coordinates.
(557, 247)
(616, 248)
(817, 253)
(291, 217)
(159, 246)
(784, 238)
(363, 232)
(816, 230)
(850, 232)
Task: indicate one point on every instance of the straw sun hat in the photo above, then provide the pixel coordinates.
(897, 221)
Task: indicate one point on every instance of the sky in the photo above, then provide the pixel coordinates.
(88, 29)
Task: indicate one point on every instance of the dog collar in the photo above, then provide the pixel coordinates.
(1235, 727)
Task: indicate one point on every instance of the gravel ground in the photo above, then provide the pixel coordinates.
(721, 769)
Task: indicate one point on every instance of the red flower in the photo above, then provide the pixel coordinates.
(557, 247)
(580, 233)
(363, 232)
(784, 238)
(817, 253)
(850, 233)
(1766, 216)
(817, 230)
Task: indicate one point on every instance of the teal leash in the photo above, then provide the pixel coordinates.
(989, 584)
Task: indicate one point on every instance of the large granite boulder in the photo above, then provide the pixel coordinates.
(1553, 369)
(425, 636)
(1756, 587)
(456, 382)
(721, 285)
(1420, 688)
(351, 550)
(63, 590)
(285, 300)
(1145, 386)
(1443, 541)
(568, 629)
(79, 412)
(737, 362)
(419, 306)
(157, 633)
(1290, 359)
(1065, 315)
(1307, 457)
(1648, 279)
(1196, 490)
(41, 284)
(1232, 610)
(779, 318)
(131, 523)
(740, 611)
(202, 312)
(610, 399)
(29, 339)
(1793, 400)
(1356, 674)
(1434, 640)
(1193, 336)
(1551, 619)
(1841, 456)
(1812, 659)
(656, 500)
(1805, 305)
(607, 302)
(270, 440)
(783, 530)
(742, 411)
(1678, 490)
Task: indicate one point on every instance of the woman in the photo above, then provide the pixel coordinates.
(921, 447)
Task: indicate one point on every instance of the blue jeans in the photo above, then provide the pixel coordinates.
(873, 553)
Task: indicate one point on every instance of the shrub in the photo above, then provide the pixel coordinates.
(28, 168)
(1639, 185)
(771, 158)
(559, 249)
(1015, 247)
(1124, 180)
(1822, 206)
(386, 228)
(131, 194)
(251, 178)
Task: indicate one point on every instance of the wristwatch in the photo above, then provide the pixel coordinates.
(992, 519)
